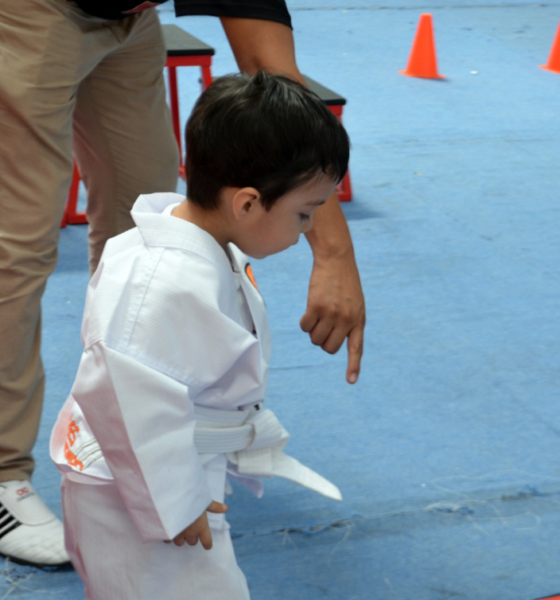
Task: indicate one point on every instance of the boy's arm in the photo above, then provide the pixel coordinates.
(144, 423)
(335, 306)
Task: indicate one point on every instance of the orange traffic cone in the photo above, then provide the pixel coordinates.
(422, 61)
(553, 63)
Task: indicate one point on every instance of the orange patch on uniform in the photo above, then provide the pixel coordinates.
(73, 429)
(71, 458)
(249, 272)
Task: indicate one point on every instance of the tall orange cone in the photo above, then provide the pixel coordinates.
(422, 61)
(553, 63)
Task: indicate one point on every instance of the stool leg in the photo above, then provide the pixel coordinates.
(344, 189)
(72, 201)
(206, 77)
(206, 80)
(70, 216)
(174, 102)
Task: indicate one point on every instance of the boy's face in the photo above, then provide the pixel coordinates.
(279, 228)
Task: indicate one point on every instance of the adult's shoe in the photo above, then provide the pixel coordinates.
(30, 533)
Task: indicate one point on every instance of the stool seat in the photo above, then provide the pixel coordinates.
(181, 43)
(329, 97)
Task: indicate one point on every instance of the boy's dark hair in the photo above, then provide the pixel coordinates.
(268, 132)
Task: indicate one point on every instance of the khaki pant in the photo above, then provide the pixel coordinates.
(68, 81)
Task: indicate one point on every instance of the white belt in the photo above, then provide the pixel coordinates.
(253, 441)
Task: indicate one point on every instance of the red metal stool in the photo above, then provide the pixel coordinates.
(336, 103)
(183, 50)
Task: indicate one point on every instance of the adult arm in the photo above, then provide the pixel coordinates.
(335, 305)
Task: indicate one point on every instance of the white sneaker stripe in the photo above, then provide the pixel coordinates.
(11, 526)
(7, 521)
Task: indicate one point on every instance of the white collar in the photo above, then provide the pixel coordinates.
(161, 230)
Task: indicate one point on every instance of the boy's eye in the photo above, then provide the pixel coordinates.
(303, 216)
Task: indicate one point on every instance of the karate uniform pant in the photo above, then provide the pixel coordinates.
(68, 82)
(114, 564)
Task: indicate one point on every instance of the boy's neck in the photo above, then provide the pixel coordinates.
(211, 221)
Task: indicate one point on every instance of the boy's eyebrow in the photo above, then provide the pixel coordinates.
(316, 202)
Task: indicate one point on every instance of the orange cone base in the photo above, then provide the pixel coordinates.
(435, 76)
(551, 69)
(553, 63)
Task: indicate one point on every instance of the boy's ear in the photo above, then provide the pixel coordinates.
(245, 201)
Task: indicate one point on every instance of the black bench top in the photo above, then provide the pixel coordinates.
(329, 97)
(181, 43)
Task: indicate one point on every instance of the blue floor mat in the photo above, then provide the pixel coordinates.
(446, 451)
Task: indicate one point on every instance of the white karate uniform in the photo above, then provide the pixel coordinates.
(172, 335)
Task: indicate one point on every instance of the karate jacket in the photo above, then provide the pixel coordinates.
(162, 330)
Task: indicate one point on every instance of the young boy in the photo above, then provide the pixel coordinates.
(168, 394)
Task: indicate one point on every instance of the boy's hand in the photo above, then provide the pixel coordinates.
(199, 529)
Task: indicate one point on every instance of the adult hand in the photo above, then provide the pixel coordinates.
(199, 529)
(335, 303)
(336, 309)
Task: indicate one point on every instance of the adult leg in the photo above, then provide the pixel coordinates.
(36, 104)
(124, 142)
(47, 48)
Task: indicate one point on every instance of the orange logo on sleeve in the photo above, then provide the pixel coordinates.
(249, 273)
(73, 429)
(71, 458)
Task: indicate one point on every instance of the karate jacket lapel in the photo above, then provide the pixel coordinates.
(255, 301)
